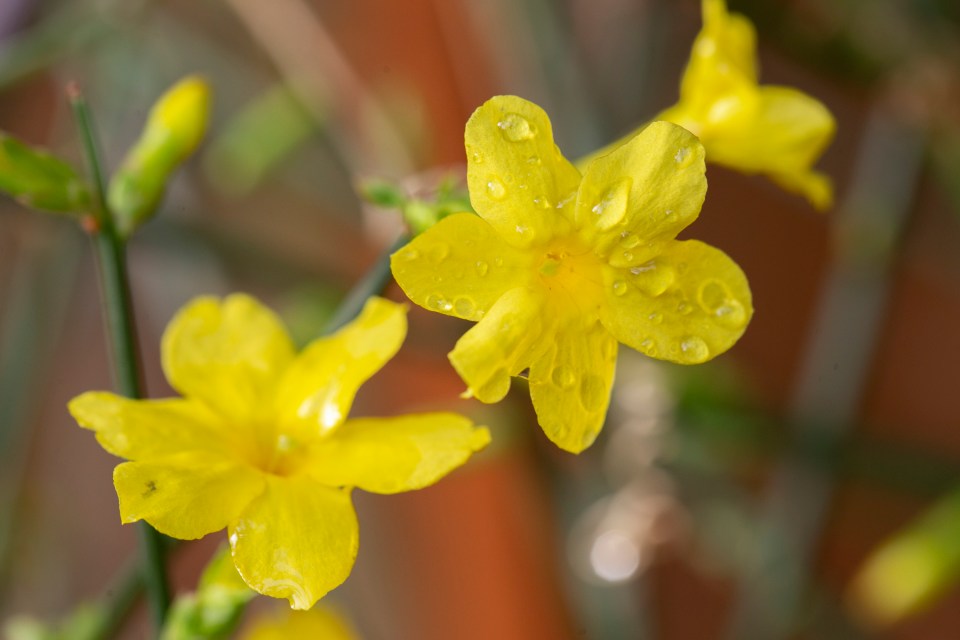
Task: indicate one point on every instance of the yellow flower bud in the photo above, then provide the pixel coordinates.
(910, 570)
(174, 129)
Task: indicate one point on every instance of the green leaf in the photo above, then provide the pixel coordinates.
(40, 180)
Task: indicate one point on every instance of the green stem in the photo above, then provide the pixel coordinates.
(372, 284)
(121, 333)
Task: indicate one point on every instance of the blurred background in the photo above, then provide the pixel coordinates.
(733, 500)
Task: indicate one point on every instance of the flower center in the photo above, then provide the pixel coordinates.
(278, 453)
(572, 274)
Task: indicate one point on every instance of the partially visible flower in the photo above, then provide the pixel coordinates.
(776, 131)
(259, 442)
(320, 623)
(557, 268)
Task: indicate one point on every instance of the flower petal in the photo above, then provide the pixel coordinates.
(688, 305)
(226, 353)
(459, 267)
(390, 455)
(187, 495)
(137, 429)
(501, 345)
(516, 175)
(784, 135)
(570, 384)
(317, 390)
(641, 194)
(298, 540)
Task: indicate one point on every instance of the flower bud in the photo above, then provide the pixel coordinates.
(174, 129)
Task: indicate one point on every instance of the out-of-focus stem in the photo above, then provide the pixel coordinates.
(121, 333)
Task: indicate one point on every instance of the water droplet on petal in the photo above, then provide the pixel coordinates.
(543, 202)
(628, 240)
(612, 206)
(648, 347)
(439, 252)
(653, 277)
(496, 189)
(482, 268)
(563, 377)
(438, 303)
(681, 154)
(694, 349)
(593, 393)
(628, 256)
(684, 308)
(731, 314)
(655, 318)
(534, 160)
(498, 261)
(619, 287)
(476, 157)
(516, 128)
(409, 254)
(464, 307)
(711, 295)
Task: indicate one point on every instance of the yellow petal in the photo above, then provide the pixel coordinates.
(501, 345)
(137, 429)
(320, 623)
(784, 135)
(642, 193)
(187, 495)
(688, 305)
(390, 455)
(459, 267)
(516, 175)
(317, 390)
(298, 540)
(228, 354)
(570, 383)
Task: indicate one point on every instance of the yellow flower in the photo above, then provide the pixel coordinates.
(776, 131)
(320, 623)
(558, 268)
(259, 444)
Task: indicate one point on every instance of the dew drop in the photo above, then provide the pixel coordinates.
(612, 206)
(681, 154)
(655, 317)
(694, 349)
(619, 287)
(731, 314)
(647, 346)
(628, 256)
(516, 128)
(464, 307)
(438, 303)
(535, 161)
(498, 261)
(563, 377)
(410, 255)
(653, 278)
(496, 189)
(593, 393)
(439, 252)
(684, 308)
(482, 268)
(543, 202)
(711, 295)
(476, 157)
(628, 240)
